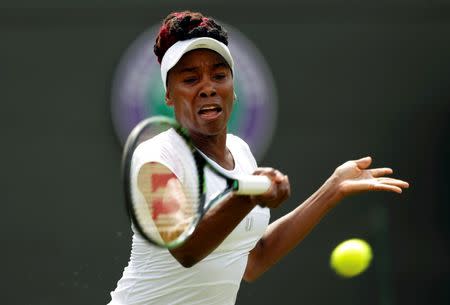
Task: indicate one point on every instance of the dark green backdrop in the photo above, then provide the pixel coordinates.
(353, 78)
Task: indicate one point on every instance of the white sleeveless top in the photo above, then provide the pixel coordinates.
(154, 276)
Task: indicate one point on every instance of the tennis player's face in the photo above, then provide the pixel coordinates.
(200, 88)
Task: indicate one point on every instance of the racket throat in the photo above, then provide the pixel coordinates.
(233, 184)
(202, 205)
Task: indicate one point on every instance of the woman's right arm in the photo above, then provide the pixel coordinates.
(215, 226)
(221, 219)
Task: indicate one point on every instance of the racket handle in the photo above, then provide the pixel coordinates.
(253, 185)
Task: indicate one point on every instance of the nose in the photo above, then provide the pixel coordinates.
(208, 90)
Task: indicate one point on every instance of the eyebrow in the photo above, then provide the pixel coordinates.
(215, 66)
(188, 69)
(220, 64)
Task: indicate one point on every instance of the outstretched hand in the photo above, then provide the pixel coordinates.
(355, 176)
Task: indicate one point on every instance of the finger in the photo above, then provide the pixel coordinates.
(364, 163)
(378, 172)
(392, 181)
(386, 187)
(273, 174)
(279, 177)
(283, 185)
(286, 193)
(288, 184)
(264, 171)
(285, 189)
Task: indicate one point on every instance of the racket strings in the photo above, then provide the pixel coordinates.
(171, 205)
(166, 201)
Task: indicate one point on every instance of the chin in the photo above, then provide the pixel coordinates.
(212, 129)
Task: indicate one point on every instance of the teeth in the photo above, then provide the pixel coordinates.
(208, 108)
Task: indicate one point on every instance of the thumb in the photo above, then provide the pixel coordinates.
(364, 163)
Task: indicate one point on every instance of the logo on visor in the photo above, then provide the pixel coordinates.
(138, 91)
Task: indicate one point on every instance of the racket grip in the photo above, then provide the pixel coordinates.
(253, 185)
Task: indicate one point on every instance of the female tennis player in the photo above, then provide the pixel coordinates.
(234, 239)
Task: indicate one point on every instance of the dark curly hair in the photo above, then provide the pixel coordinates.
(186, 25)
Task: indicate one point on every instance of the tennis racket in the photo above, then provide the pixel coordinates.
(165, 207)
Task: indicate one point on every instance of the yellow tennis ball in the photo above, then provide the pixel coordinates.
(351, 257)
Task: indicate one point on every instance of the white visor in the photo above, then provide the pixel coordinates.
(176, 51)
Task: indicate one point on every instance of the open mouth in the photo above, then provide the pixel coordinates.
(210, 111)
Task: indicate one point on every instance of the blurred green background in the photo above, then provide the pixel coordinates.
(353, 78)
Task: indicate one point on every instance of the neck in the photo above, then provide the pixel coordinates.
(215, 148)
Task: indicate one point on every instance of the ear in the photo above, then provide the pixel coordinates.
(235, 96)
(169, 101)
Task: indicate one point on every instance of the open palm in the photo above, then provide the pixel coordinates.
(355, 177)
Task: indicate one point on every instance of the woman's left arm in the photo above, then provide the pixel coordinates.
(287, 232)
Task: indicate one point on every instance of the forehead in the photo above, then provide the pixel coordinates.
(200, 57)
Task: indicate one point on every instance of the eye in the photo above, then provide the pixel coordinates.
(189, 80)
(220, 76)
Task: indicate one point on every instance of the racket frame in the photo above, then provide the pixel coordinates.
(232, 185)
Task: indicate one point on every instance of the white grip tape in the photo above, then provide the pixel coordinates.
(253, 185)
